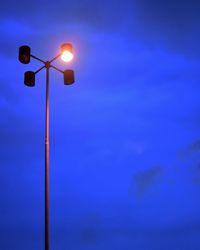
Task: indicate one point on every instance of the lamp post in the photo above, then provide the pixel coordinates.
(66, 55)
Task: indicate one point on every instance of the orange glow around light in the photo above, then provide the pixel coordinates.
(67, 56)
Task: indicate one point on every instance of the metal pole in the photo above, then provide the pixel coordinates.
(24, 57)
(47, 163)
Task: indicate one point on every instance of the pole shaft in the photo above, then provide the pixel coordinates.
(47, 163)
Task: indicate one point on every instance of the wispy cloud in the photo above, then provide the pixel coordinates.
(143, 181)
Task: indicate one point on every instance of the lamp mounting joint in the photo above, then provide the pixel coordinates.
(47, 64)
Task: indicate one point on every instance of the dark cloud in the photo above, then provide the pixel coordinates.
(36, 22)
(37, 13)
(195, 146)
(171, 23)
(124, 237)
(19, 138)
(89, 230)
(170, 11)
(7, 93)
(190, 152)
(144, 180)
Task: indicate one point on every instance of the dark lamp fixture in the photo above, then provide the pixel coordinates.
(29, 78)
(69, 77)
(24, 54)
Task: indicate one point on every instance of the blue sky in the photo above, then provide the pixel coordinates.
(125, 140)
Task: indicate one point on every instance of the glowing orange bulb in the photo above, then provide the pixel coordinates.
(67, 52)
(67, 56)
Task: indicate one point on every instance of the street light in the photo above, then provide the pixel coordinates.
(66, 55)
(67, 52)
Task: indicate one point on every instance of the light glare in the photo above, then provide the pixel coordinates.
(67, 56)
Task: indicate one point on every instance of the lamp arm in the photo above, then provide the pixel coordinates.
(56, 57)
(37, 58)
(56, 69)
(39, 70)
